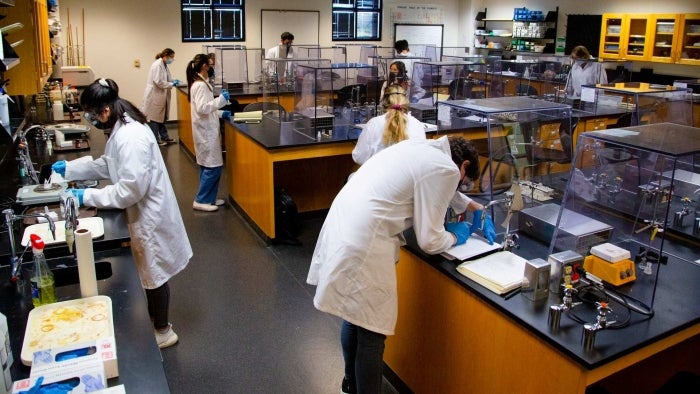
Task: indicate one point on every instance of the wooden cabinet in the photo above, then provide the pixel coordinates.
(689, 39)
(34, 53)
(664, 39)
(661, 38)
(625, 36)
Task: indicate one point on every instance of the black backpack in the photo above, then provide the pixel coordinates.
(286, 219)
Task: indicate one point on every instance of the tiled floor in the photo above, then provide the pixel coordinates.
(242, 309)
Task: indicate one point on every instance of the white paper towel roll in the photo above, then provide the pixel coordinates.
(86, 263)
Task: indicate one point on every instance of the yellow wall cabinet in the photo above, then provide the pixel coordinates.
(34, 53)
(689, 39)
(661, 38)
(625, 36)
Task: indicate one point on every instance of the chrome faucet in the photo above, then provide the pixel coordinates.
(25, 160)
(590, 329)
(510, 241)
(71, 215)
(16, 261)
(567, 303)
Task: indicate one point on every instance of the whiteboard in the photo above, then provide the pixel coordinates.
(303, 24)
(418, 34)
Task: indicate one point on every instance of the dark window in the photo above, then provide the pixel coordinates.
(213, 20)
(357, 20)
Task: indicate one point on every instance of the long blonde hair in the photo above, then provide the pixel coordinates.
(395, 105)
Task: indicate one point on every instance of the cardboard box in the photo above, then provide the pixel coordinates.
(87, 374)
(104, 349)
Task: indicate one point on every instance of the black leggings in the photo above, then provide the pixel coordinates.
(158, 303)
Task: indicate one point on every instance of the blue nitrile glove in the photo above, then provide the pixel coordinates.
(414, 100)
(78, 193)
(489, 230)
(59, 167)
(226, 115)
(175, 82)
(226, 94)
(460, 230)
(476, 221)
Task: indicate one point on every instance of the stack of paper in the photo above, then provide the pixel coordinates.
(250, 116)
(499, 272)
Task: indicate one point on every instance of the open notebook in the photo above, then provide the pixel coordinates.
(499, 272)
(476, 245)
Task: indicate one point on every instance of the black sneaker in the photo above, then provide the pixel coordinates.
(347, 388)
(162, 143)
(168, 140)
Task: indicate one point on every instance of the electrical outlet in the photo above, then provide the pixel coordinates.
(137, 63)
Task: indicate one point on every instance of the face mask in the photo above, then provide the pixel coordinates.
(168, 60)
(210, 72)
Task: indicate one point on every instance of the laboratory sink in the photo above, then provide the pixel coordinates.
(68, 275)
(65, 270)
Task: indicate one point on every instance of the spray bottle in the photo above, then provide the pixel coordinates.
(43, 285)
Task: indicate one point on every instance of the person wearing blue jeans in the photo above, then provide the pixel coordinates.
(205, 113)
(208, 184)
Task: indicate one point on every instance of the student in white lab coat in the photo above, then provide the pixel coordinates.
(205, 113)
(353, 265)
(397, 75)
(139, 184)
(285, 52)
(156, 98)
(414, 71)
(395, 125)
(585, 70)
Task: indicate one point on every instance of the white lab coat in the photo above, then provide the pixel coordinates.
(132, 161)
(156, 98)
(370, 141)
(205, 114)
(407, 184)
(274, 53)
(589, 72)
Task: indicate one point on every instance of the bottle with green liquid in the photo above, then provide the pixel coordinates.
(43, 288)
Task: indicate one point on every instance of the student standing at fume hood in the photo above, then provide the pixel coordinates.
(156, 98)
(140, 185)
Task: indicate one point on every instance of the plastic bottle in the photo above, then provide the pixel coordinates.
(43, 286)
(57, 108)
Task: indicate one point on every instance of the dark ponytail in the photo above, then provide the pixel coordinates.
(193, 68)
(104, 92)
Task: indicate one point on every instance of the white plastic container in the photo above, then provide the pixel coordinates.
(57, 108)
